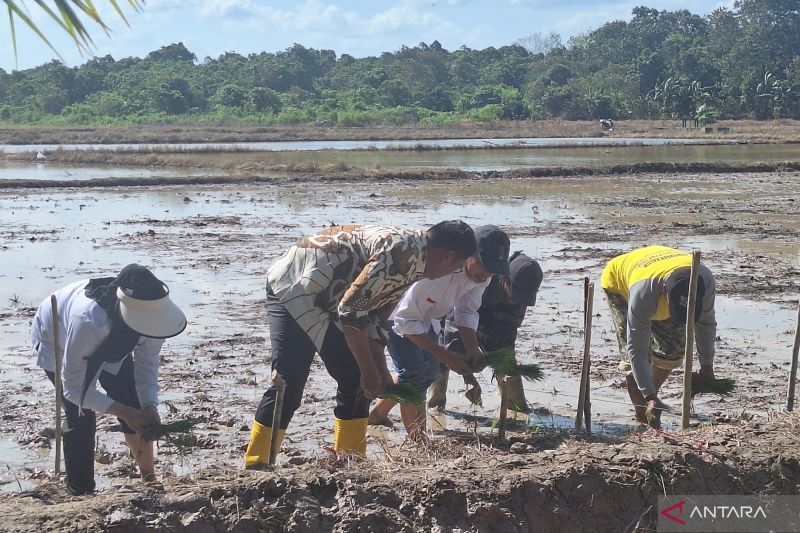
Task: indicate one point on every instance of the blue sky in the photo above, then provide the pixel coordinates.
(212, 27)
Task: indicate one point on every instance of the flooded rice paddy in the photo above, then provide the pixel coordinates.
(311, 146)
(213, 244)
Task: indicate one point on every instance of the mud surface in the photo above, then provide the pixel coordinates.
(465, 485)
(212, 245)
(745, 130)
(230, 169)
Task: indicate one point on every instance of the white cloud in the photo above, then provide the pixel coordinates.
(321, 16)
(227, 8)
(401, 17)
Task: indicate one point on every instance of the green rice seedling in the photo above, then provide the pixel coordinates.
(721, 386)
(160, 431)
(530, 372)
(504, 361)
(402, 393)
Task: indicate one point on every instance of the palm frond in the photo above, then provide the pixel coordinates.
(70, 16)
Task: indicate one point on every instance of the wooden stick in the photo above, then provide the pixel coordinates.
(587, 341)
(793, 372)
(501, 424)
(57, 350)
(280, 387)
(689, 351)
(587, 406)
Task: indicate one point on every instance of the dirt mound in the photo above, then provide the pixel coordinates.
(451, 484)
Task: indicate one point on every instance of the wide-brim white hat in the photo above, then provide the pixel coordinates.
(159, 319)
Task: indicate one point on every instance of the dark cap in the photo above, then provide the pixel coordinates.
(677, 287)
(526, 278)
(493, 248)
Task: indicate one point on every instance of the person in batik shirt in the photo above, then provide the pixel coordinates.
(331, 294)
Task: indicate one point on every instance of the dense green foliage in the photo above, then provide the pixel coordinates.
(735, 63)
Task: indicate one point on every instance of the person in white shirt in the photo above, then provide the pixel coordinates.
(101, 322)
(412, 341)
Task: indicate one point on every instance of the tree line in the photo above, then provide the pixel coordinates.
(731, 63)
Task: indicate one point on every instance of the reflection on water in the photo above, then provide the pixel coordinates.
(12, 459)
(49, 171)
(576, 156)
(277, 146)
(51, 239)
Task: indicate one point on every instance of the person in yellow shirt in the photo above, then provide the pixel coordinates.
(647, 291)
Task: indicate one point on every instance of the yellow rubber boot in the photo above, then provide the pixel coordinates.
(350, 436)
(258, 450)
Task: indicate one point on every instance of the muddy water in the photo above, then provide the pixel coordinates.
(49, 171)
(348, 145)
(573, 156)
(213, 244)
(567, 154)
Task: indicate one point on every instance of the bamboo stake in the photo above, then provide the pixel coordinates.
(793, 372)
(587, 341)
(501, 424)
(280, 387)
(689, 350)
(587, 406)
(57, 350)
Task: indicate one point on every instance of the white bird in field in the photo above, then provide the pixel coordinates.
(40, 156)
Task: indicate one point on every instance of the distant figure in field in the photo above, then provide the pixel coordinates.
(607, 124)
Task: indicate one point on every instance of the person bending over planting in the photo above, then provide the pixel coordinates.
(328, 294)
(647, 291)
(101, 323)
(412, 343)
(502, 311)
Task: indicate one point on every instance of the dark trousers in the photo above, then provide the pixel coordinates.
(292, 354)
(80, 431)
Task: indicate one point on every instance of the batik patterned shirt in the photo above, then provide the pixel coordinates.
(348, 275)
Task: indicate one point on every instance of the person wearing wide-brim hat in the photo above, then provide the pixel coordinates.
(111, 330)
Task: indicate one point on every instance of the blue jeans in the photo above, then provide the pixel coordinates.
(413, 365)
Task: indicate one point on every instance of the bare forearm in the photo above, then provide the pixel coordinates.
(378, 355)
(120, 410)
(470, 339)
(430, 346)
(359, 344)
(452, 360)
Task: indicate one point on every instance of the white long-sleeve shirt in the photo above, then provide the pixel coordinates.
(83, 325)
(429, 300)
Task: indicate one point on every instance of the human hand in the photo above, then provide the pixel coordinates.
(654, 409)
(477, 360)
(372, 382)
(136, 419)
(457, 363)
(707, 373)
(150, 413)
(472, 390)
(386, 377)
